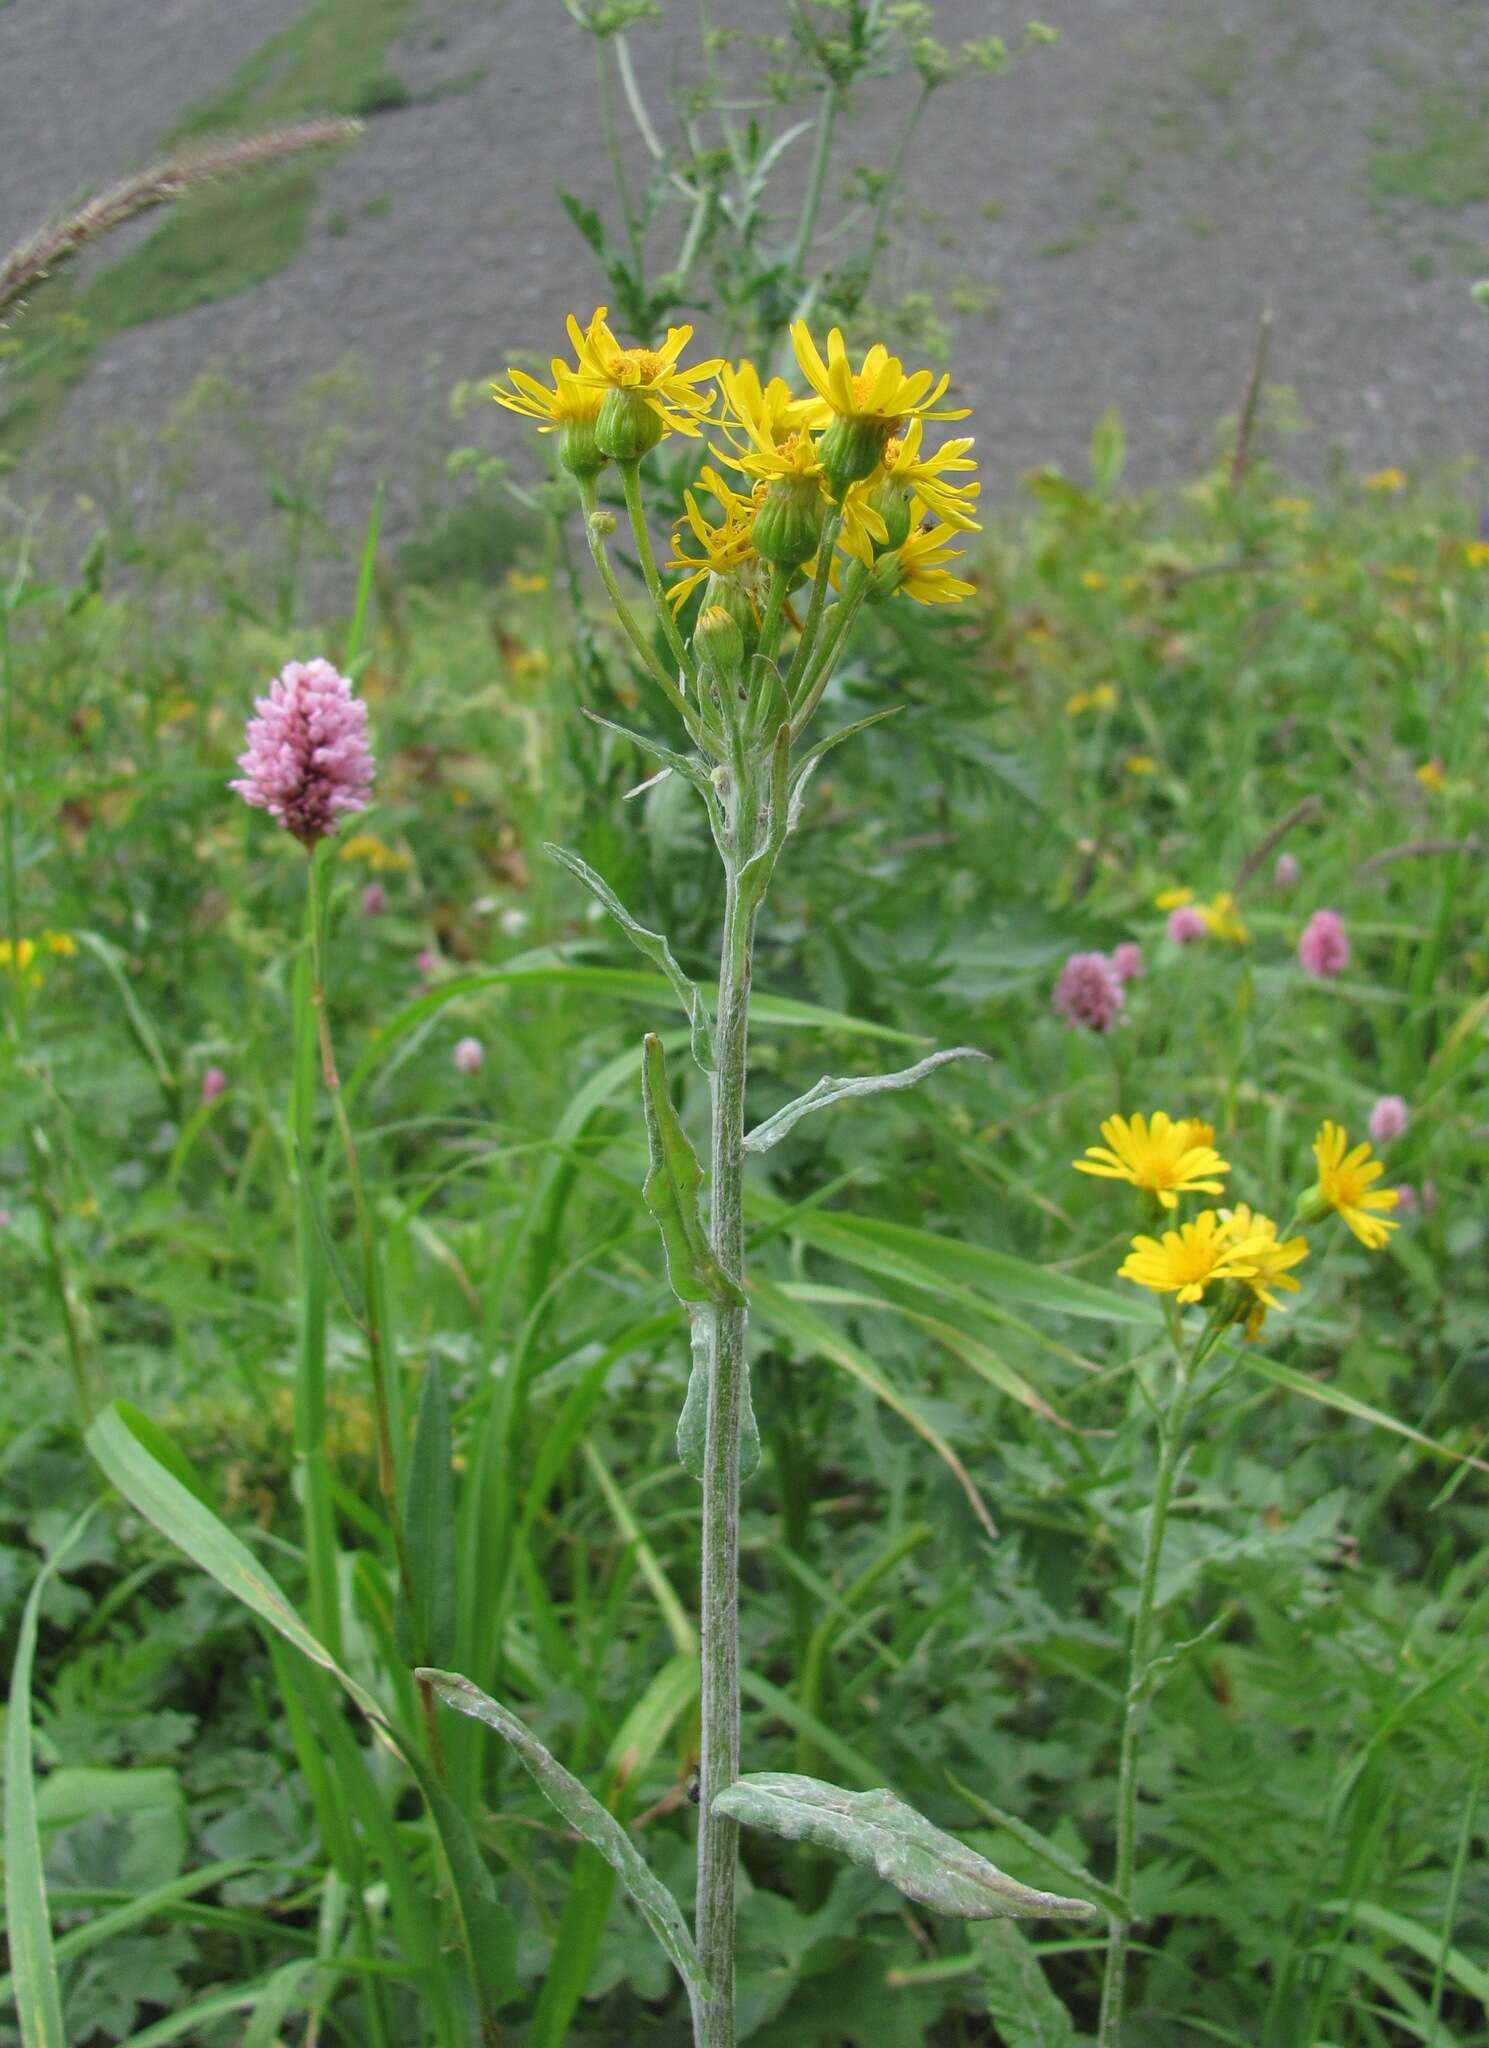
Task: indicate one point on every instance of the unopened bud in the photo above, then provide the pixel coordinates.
(788, 525)
(1314, 1206)
(851, 450)
(601, 524)
(723, 592)
(892, 503)
(627, 427)
(718, 640)
(578, 448)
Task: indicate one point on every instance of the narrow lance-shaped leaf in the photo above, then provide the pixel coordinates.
(653, 944)
(828, 1090)
(692, 1424)
(690, 770)
(585, 1815)
(673, 1180)
(1019, 1999)
(429, 1514)
(879, 1831)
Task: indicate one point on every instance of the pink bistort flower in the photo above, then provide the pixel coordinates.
(307, 761)
(1186, 924)
(1388, 1119)
(1089, 991)
(1128, 961)
(1324, 946)
(469, 1056)
(214, 1082)
(1285, 874)
(374, 899)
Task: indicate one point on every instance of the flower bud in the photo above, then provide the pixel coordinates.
(1314, 1206)
(892, 503)
(601, 524)
(579, 449)
(851, 450)
(717, 638)
(723, 593)
(884, 578)
(627, 427)
(788, 525)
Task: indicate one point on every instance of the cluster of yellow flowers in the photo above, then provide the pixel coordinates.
(1165, 1157)
(842, 465)
(23, 956)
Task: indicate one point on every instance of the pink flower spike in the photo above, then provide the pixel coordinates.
(374, 899)
(307, 761)
(214, 1082)
(1186, 924)
(1406, 1200)
(1324, 946)
(1285, 874)
(426, 962)
(1089, 992)
(1388, 1119)
(1128, 961)
(470, 1055)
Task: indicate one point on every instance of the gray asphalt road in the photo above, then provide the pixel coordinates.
(1129, 200)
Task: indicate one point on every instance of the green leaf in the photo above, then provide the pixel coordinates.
(27, 1916)
(586, 1816)
(1019, 2000)
(1349, 1404)
(671, 1189)
(108, 957)
(653, 944)
(1108, 451)
(815, 1334)
(429, 1524)
(827, 1090)
(880, 1832)
(689, 768)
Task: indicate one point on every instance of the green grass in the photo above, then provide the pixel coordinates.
(1310, 1865)
(226, 239)
(1434, 152)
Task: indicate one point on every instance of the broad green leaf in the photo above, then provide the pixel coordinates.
(586, 1816)
(692, 1424)
(27, 1916)
(673, 1181)
(1020, 2002)
(429, 1523)
(827, 1090)
(150, 1801)
(813, 1333)
(879, 1831)
(653, 944)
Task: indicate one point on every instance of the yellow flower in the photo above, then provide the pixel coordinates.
(1188, 1260)
(61, 943)
(1385, 480)
(726, 547)
(1102, 698)
(1162, 1157)
(1223, 920)
(1093, 579)
(380, 857)
(652, 373)
(1476, 553)
(769, 413)
(569, 403)
(1402, 572)
(926, 476)
(1432, 778)
(880, 393)
(1293, 508)
(1269, 1260)
(19, 960)
(522, 583)
(919, 567)
(1140, 764)
(1345, 1185)
(1172, 899)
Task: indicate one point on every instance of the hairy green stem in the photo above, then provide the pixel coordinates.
(775, 598)
(1114, 1982)
(819, 670)
(816, 180)
(832, 526)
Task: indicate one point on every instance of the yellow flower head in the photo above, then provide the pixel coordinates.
(1345, 1185)
(1431, 777)
(652, 373)
(1102, 698)
(726, 547)
(881, 392)
(1386, 480)
(1476, 553)
(379, 856)
(1269, 1260)
(1173, 899)
(19, 959)
(768, 413)
(919, 567)
(1188, 1260)
(1140, 764)
(927, 477)
(569, 403)
(1162, 1157)
(1223, 920)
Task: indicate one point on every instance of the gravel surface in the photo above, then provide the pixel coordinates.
(1129, 200)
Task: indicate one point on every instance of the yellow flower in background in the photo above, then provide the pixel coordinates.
(1269, 1261)
(653, 374)
(1346, 1185)
(376, 853)
(918, 569)
(23, 960)
(1102, 698)
(522, 583)
(1140, 764)
(1430, 775)
(1476, 553)
(880, 392)
(569, 403)
(1172, 899)
(1162, 1157)
(726, 545)
(1093, 579)
(1293, 508)
(1386, 480)
(61, 943)
(1223, 920)
(18, 958)
(1188, 1260)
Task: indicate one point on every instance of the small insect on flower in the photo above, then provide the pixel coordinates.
(1346, 1184)
(1188, 1260)
(307, 762)
(1127, 959)
(1323, 949)
(1389, 1119)
(1089, 992)
(1164, 1156)
(470, 1056)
